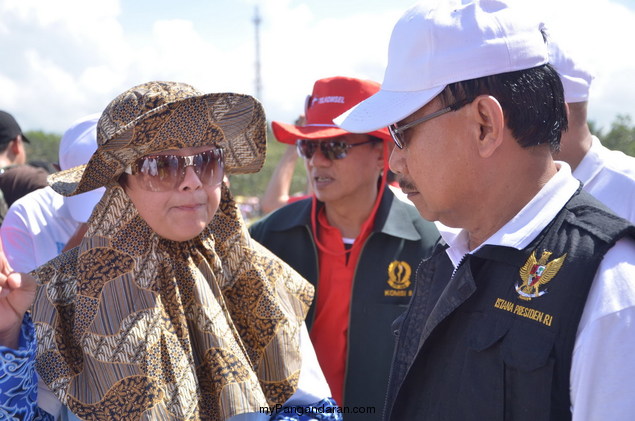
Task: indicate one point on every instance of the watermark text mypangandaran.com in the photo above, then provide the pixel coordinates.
(301, 410)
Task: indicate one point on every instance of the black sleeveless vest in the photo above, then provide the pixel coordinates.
(495, 341)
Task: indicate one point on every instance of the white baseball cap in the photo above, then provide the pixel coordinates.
(576, 79)
(78, 144)
(436, 43)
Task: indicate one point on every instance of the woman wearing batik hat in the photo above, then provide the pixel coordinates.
(167, 310)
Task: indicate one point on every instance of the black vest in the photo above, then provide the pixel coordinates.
(399, 235)
(495, 341)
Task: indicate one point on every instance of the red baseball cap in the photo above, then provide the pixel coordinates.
(330, 98)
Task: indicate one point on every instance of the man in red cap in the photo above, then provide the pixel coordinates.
(353, 239)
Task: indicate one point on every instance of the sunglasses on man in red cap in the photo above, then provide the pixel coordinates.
(331, 149)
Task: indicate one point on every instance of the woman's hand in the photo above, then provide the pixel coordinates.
(17, 292)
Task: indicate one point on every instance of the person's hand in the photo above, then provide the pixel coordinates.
(17, 292)
(5, 267)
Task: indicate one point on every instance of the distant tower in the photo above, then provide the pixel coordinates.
(258, 82)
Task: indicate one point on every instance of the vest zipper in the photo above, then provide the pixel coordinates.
(459, 265)
(350, 306)
(394, 353)
(317, 272)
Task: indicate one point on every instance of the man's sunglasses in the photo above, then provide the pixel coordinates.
(166, 172)
(331, 149)
(397, 132)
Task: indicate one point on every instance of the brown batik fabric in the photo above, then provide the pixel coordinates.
(131, 326)
(158, 116)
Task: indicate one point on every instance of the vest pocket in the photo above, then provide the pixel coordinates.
(524, 372)
(526, 347)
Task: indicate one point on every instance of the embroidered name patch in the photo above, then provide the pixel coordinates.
(522, 311)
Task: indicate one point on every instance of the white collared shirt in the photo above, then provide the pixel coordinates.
(610, 177)
(603, 364)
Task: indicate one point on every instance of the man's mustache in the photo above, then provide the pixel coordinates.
(407, 185)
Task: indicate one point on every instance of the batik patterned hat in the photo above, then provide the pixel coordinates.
(157, 116)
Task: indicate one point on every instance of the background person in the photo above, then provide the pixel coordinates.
(526, 313)
(167, 309)
(608, 175)
(353, 240)
(17, 178)
(39, 225)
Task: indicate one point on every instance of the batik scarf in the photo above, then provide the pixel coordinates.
(131, 326)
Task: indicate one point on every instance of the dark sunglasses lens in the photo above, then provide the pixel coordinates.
(334, 150)
(158, 173)
(331, 150)
(306, 148)
(209, 167)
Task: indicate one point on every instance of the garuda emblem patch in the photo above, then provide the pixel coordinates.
(535, 274)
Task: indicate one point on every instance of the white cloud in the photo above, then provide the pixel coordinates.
(598, 34)
(53, 49)
(299, 48)
(65, 58)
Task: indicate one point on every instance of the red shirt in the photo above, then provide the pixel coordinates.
(329, 332)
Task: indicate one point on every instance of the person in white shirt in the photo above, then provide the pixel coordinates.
(607, 174)
(526, 312)
(39, 225)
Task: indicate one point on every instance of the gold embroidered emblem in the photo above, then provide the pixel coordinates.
(399, 274)
(536, 274)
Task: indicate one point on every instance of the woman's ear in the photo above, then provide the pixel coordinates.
(491, 122)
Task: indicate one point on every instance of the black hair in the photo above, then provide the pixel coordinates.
(532, 101)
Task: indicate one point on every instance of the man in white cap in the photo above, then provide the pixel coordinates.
(608, 175)
(39, 225)
(527, 312)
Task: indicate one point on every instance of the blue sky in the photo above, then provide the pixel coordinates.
(66, 58)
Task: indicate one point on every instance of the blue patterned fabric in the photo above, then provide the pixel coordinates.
(18, 380)
(325, 410)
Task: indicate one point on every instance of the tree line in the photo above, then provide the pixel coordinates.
(44, 147)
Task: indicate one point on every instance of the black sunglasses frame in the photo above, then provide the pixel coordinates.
(331, 149)
(397, 132)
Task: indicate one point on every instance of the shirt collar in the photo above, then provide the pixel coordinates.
(527, 224)
(592, 162)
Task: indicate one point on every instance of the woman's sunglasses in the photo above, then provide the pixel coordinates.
(166, 172)
(332, 149)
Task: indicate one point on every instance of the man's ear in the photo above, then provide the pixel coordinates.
(488, 114)
(14, 145)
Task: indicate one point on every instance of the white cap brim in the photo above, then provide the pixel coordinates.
(384, 108)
